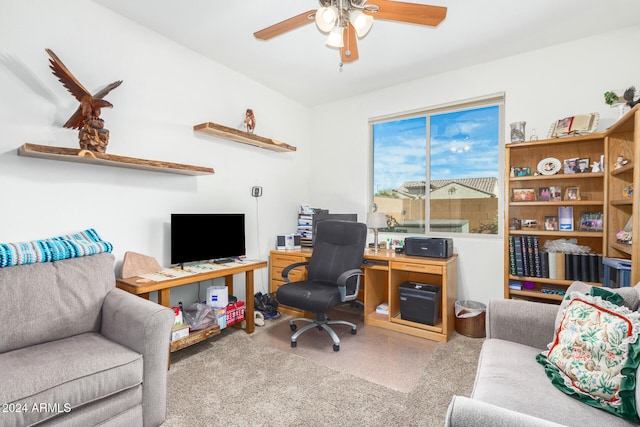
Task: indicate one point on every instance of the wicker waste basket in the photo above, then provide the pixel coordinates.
(470, 318)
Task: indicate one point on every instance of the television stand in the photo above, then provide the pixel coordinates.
(143, 288)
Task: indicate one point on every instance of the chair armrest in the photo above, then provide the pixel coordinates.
(342, 284)
(524, 322)
(465, 412)
(287, 269)
(144, 327)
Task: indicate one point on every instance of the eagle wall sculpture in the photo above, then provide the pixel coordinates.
(92, 134)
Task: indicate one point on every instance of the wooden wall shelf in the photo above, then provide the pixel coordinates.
(236, 135)
(72, 155)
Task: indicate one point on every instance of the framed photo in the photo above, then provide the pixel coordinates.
(570, 165)
(551, 222)
(591, 221)
(544, 194)
(529, 224)
(555, 193)
(565, 218)
(583, 165)
(572, 193)
(523, 194)
(515, 224)
(521, 171)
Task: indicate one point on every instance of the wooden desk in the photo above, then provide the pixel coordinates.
(384, 272)
(164, 287)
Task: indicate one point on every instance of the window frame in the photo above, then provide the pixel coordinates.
(496, 99)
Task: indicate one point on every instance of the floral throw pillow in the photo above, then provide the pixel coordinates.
(595, 353)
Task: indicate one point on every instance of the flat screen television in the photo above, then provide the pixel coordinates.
(206, 237)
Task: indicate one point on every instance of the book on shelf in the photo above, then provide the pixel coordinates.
(544, 264)
(553, 265)
(560, 266)
(512, 256)
(537, 257)
(517, 244)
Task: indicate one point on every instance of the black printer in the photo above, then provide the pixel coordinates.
(433, 247)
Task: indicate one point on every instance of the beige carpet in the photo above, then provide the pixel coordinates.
(378, 378)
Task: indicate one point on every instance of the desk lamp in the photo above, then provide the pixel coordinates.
(375, 221)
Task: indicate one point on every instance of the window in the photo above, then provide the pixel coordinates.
(437, 170)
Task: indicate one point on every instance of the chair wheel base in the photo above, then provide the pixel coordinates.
(293, 344)
(293, 327)
(336, 347)
(354, 331)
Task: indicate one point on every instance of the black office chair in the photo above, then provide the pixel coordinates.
(333, 276)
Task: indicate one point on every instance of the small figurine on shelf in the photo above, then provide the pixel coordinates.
(249, 120)
(620, 162)
(628, 96)
(595, 167)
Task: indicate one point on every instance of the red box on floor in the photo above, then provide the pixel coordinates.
(235, 312)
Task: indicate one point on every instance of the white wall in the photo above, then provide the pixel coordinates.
(167, 89)
(540, 87)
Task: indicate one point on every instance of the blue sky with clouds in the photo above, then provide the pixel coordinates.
(464, 144)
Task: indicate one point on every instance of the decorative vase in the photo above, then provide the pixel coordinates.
(517, 131)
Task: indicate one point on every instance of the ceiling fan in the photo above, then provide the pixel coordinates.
(347, 20)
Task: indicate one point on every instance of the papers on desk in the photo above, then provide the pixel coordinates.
(203, 268)
(167, 274)
(190, 270)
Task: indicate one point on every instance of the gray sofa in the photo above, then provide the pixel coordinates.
(511, 387)
(77, 351)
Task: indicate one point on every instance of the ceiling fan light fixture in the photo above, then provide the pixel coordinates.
(326, 18)
(336, 38)
(361, 22)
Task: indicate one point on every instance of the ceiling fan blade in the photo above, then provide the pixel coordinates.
(408, 12)
(286, 25)
(349, 52)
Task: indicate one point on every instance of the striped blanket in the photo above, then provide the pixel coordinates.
(84, 243)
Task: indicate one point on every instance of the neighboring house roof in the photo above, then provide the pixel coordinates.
(488, 185)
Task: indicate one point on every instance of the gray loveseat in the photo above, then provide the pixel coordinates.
(511, 387)
(77, 351)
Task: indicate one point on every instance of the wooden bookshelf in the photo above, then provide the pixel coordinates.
(603, 192)
(592, 191)
(82, 156)
(236, 135)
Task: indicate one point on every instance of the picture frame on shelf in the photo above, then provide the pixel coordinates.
(572, 193)
(529, 224)
(583, 165)
(521, 171)
(523, 194)
(591, 221)
(544, 194)
(569, 166)
(551, 223)
(565, 218)
(555, 193)
(515, 224)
